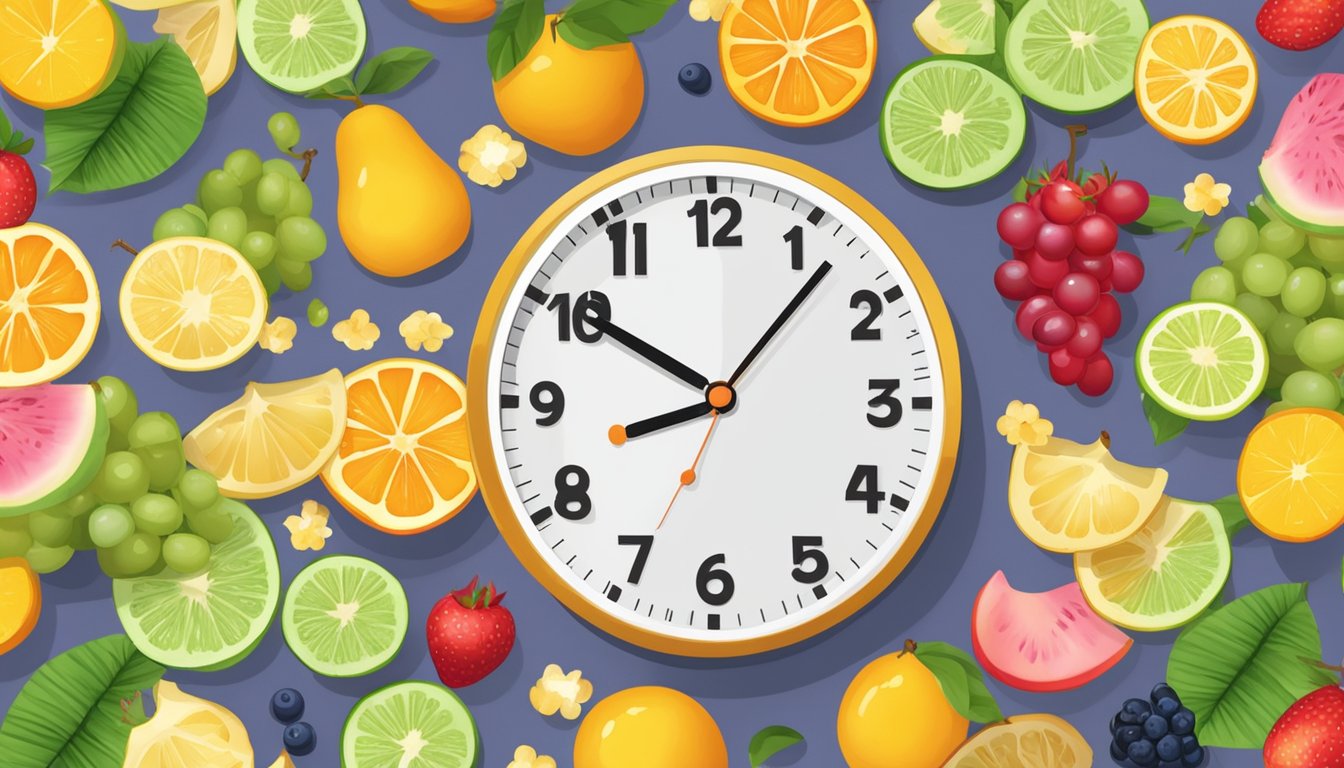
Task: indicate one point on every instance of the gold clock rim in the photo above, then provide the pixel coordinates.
(490, 478)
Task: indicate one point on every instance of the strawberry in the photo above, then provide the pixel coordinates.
(470, 634)
(1310, 734)
(18, 188)
(1300, 25)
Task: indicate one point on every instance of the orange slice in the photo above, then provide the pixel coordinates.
(20, 602)
(1291, 474)
(49, 307)
(1195, 80)
(404, 463)
(58, 53)
(797, 62)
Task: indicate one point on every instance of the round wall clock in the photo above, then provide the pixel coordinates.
(714, 400)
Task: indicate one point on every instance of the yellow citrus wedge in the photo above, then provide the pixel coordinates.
(1038, 741)
(20, 602)
(797, 62)
(208, 31)
(404, 464)
(1195, 79)
(58, 53)
(274, 438)
(188, 732)
(1068, 497)
(192, 304)
(49, 306)
(1291, 474)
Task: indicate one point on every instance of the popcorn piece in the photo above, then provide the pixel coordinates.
(556, 691)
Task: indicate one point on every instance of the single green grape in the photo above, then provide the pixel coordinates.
(259, 249)
(301, 239)
(1285, 364)
(15, 538)
(214, 524)
(121, 407)
(244, 165)
(318, 314)
(272, 193)
(281, 166)
(1260, 310)
(284, 130)
(296, 275)
(165, 464)
(1312, 389)
(1334, 295)
(48, 559)
(1280, 239)
(186, 552)
(1283, 333)
(1236, 239)
(1264, 274)
(1321, 344)
(51, 527)
(109, 525)
(1214, 284)
(1330, 250)
(137, 554)
(156, 513)
(197, 211)
(228, 226)
(122, 478)
(197, 489)
(106, 565)
(178, 223)
(270, 278)
(154, 428)
(1304, 291)
(79, 532)
(300, 201)
(79, 504)
(218, 190)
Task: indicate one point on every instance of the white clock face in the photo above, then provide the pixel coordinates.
(780, 484)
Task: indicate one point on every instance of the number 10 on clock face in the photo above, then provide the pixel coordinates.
(714, 403)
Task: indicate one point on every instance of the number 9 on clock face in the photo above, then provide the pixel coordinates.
(714, 401)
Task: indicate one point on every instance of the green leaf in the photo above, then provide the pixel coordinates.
(517, 28)
(962, 682)
(1234, 515)
(68, 714)
(595, 23)
(1242, 666)
(1165, 214)
(391, 70)
(340, 88)
(770, 741)
(135, 130)
(1164, 424)
(1020, 191)
(6, 130)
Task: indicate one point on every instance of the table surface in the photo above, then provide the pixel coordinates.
(954, 231)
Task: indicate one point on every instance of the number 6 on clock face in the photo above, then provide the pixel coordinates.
(714, 401)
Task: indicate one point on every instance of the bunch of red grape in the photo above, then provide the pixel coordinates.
(1065, 266)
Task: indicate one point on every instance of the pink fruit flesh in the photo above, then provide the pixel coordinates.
(1300, 170)
(45, 433)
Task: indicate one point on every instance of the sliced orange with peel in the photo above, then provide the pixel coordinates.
(59, 53)
(49, 305)
(1195, 79)
(1291, 474)
(797, 62)
(20, 602)
(404, 463)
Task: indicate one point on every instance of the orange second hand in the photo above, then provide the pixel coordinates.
(688, 476)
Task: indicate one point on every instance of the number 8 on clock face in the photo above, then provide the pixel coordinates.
(714, 401)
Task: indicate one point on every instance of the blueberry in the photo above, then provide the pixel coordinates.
(1193, 759)
(300, 739)
(1166, 706)
(1142, 753)
(1116, 722)
(1135, 711)
(1169, 747)
(694, 79)
(1118, 753)
(1128, 734)
(1164, 691)
(1183, 722)
(1155, 727)
(287, 705)
(1189, 744)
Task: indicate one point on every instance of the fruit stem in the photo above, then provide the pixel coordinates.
(910, 647)
(125, 246)
(1105, 439)
(1075, 131)
(307, 158)
(555, 27)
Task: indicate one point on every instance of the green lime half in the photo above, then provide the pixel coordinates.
(957, 26)
(409, 725)
(344, 616)
(301, 45)
(211, 619)
(1076, 55)
(1202, 360)
(949, 124)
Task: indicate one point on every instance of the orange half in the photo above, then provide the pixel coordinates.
(49, 306)
(58, 53)
(1195, 80)
(797, 62)
(20, 602)
(404, 462)
(1291, 474)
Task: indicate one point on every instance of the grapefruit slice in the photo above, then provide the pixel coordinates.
(20, 602)
(1039, 741)
(1042, 642)
(1299, 170)
(52, 441)
(49, 307)
(59, 53)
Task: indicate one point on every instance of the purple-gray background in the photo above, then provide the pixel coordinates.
(954, 232)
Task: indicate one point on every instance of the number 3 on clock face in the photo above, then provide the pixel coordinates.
(714, 401)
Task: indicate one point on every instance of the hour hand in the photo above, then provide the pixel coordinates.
(648, 352)
(619, 434)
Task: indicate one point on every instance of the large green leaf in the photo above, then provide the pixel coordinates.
(69, 715)
(133, 131)
(961, 680)
(516, 29)
(1243, 665)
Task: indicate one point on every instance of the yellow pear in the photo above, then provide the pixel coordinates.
(400, 207)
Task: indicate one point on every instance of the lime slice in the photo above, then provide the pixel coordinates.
(1076, 55)
(211, 619)
(1202, 360)
(344, 616)
(949, 124)
(301, 45)
(1164, 575)
(957, 26)
(409, 725)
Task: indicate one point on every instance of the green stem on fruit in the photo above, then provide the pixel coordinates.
(125, 246)
(1074, 132)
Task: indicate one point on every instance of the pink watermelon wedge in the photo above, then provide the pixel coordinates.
(52, 441)
(1303, 169)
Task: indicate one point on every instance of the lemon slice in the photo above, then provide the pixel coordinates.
(1196, 79)
(1068, 497)
(274, 438)
(192, 304)
(188, 732)
(208, 31)
(1039, 741)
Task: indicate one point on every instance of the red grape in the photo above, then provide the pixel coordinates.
(1018, 224)
(1096, 266)
(1096, 235)
(1097, 377)
(1128, 273)
(1044, 273)
(1029, 311)
(1054, 328)
(1086, 340)
(1124, 201)
(1054, 241)
(1012, 282)
(1065, 368)
(1061, 202)
(1107, 314)
(1077, 293)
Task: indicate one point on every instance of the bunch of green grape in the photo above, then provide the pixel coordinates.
(261, 208)
(1290, 283)
(145, 509)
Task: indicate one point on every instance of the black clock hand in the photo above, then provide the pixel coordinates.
(661, 421)
(648, 352)
(783, 318)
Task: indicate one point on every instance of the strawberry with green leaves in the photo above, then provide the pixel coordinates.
(469, 634)
(18, 188)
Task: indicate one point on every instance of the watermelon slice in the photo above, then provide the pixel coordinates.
(52, 441)
(1303, 169)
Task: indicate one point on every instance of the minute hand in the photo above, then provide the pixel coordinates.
(775, 327)
(649, 352)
